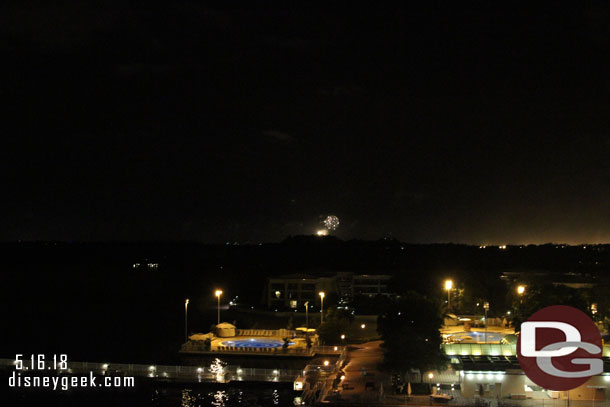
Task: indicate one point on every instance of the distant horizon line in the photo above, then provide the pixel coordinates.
(310, 237)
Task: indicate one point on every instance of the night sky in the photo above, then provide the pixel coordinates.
(191, 121)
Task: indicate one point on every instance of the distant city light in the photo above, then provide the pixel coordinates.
(321, 232)
(521, 289)
(363, 326)
(502, 247)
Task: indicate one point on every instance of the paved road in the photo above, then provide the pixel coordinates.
(366, 358)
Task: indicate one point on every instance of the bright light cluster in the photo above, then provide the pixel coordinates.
(331, 222)
(490, 376)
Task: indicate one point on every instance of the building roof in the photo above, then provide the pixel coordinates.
(295, 276)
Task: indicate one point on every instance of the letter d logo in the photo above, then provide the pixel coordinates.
(555, 344)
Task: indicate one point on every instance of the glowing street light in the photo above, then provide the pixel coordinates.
(218, 293)
(321, 293)
(521, 291)
(448, 287)
(186, 311)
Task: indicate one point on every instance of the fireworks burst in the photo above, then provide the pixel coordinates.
(331, 222)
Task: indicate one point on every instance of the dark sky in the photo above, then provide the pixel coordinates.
(126, 120)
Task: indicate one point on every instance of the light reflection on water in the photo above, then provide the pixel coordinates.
(276, 398)
(187, 399)
(235, 397)
(220, 398)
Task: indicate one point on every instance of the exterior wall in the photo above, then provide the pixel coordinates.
(591, 390)
(513, 381)
(294, 292)
(492, 384)
(504, 385)
(369, 284)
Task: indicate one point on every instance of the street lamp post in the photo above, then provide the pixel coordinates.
(321, 307)
(521, 291)
(186, 313)
(448, 287)
(218, 294)
(307, 314)
(486, 307)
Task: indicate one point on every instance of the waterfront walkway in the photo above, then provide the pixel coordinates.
(364, 382)
(182, 374)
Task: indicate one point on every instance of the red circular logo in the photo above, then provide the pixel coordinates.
(560, 348)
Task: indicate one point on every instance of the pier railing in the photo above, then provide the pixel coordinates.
(329, 350)
(200, 347)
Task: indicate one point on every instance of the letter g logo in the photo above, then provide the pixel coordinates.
(554, 345)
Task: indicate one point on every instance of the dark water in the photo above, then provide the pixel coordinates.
(244, 394)
(104, 316)
(121, 317)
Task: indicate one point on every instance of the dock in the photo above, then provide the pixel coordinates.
(199, 348)
(181, 374)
